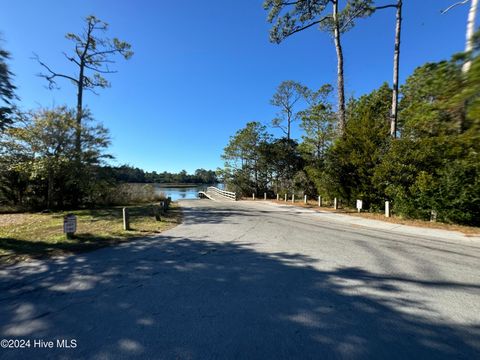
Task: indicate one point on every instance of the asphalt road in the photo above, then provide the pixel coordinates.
(251, 281)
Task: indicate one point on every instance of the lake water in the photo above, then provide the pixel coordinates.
(182, 192)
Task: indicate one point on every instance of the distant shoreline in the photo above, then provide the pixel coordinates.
(181, 184)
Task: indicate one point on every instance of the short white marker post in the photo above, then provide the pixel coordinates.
(305, 199)
(285, 197)
(278, 197)
(264, 196)
(335, 204)
(359, 205)
(293, 198)
(253, 196)
(319, 201)
(387, 208)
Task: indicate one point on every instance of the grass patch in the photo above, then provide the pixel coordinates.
(24, 236)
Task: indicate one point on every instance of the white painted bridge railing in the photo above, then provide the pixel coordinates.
(226, 194)
(213, 192)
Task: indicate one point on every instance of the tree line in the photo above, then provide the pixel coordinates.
(415, 145)
(129, 174)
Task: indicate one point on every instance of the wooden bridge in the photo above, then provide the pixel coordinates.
(216, 194)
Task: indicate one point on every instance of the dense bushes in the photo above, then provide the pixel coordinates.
(433, 167)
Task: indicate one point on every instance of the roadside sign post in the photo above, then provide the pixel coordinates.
(69, 225)
(359, 205)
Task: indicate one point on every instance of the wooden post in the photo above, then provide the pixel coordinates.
(285, 197)
(293, 198)
(253, 196)
(156, 212)
(264, 196)
(319, 201)
(335, 204)
(126, 220)
(305, 199)
(278, 197)
(387, 208)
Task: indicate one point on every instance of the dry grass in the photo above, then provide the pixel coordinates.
(25, 236)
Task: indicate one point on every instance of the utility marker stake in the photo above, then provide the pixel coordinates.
(319, 201)
(285, 197)
(387, 208)
(293, 198)
(335, 204)
(264, 196)
(305, 199)
(278, 197)
(253, 196)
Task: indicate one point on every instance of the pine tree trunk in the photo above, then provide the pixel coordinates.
(78, 137)
(340, 78)
(470, 32)
(396, 64)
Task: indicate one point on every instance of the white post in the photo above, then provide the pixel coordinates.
(305, 199)
(285, 197)
(253, 196)
(278, 196)
(293, 198)
(319, 201)
(335, 204)
(387, 208)
(264, 196)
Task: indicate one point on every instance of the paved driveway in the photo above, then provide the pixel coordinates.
(251, 281)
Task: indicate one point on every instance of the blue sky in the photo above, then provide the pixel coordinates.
(202, 69)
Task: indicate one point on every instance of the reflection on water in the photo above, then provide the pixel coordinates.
(183, 192)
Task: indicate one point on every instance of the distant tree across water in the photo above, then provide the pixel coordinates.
(126, 173)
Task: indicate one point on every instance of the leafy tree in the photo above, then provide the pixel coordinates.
(242, 158)
(42, 152)
(318, 124)
(426, 109)
(286, 97)
(7, 90)
(294, 16)
(435, 165)
(284, 162)
(352, 160)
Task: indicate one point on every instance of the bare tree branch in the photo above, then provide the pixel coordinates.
(454, 5)
(298, 29)
(53, 74)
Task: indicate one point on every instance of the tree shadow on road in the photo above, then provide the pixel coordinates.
(175, 298)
